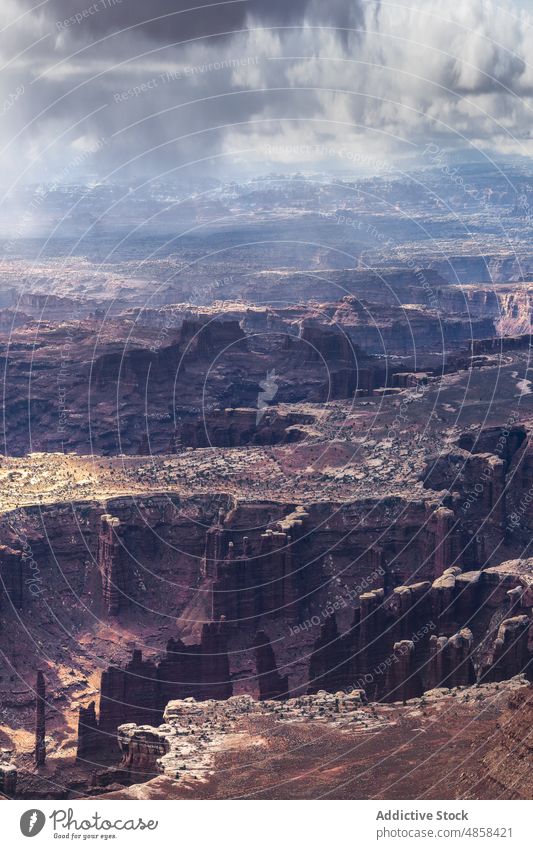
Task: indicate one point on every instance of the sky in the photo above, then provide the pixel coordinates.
(123, 89)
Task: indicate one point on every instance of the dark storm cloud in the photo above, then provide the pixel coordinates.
(177, 20)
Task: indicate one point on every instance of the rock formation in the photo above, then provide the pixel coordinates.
(271, 684)
(139, 692)
(192, 732)
(249, 584)
(510, 654)
(141, 749)
(451, 662)
(403, 680)
(12, 586)
(90, 743)
(8, 779)
(424, 636)
(329, 665)
(111, 564)
(230, 428)
(40, 721)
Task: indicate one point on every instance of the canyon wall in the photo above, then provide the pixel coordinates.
(458, 629)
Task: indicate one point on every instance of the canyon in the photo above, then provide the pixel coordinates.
(265, 513)
(146, 580)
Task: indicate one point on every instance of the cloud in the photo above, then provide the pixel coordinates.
(343, 75)
(177, 20)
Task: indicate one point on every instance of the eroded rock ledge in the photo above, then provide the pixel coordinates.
(186, 745)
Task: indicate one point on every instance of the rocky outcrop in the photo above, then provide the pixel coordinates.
(139, 692)
(213, 679)
(234, 427)
(403, 330)
(141, 749)
(426, 635)
(193, 731)
(481, 483)
(498, 344)
(489, 474)
(417, 637)
(443, 542)
(131, 392)
(409, 607)
(198, 670)
(502, 441)
(326, 343)
(205, 338)
(408, 379)
(275, 572)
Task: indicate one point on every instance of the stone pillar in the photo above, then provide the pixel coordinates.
(112, 698)
(329, 666)
(444, 548)
(411, 607)
(461, 668)
(40, 721)
(111, 564)
(403, 681)
(245, 582)
(271, 684)
(374, 641)
(437, 673)
(214, 678)
(215, 546)
(443, 596)
(89, 738)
